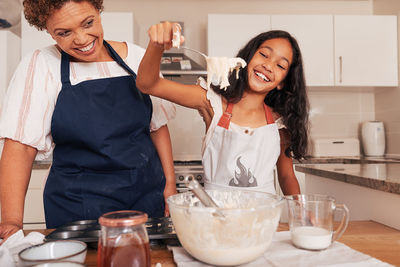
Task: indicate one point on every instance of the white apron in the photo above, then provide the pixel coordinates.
(242, 160)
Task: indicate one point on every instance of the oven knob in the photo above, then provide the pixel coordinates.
(181, 177)
(198, 177)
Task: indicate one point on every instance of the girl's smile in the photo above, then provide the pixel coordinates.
(269, 65)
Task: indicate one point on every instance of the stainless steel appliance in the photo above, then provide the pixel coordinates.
(185, 169)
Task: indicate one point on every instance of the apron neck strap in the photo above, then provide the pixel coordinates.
(118, 59)
(65, 60)
(268, 114)
(65, 68)
(225, 119)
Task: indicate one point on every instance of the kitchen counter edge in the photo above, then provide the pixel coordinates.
(389, 182)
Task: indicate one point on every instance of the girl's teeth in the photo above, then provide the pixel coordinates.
(87, 48)
(262, 76)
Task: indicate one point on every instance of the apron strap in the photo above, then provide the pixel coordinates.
(65, 68)
(225, 119)
(118, 59)
(268, 114)
(65, 59)
(122, 63)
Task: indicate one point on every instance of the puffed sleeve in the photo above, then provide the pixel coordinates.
(29, 103)
(163, 111)
(213, 97)
(280, 124)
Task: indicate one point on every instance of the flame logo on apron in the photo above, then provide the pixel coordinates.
(244, 178)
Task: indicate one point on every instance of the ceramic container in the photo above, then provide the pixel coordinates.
(61, 250)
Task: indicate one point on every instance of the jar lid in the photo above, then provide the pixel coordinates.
(123, 218)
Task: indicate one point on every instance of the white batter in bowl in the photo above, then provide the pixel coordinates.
(251, 219)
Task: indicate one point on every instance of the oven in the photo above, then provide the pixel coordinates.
(190, 170)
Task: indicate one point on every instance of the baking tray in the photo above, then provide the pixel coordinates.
(89, 230)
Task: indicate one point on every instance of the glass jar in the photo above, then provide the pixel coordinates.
(123, 240)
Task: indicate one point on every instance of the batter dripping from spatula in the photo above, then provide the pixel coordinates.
(218, 68)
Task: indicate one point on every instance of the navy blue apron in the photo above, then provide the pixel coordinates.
(104, 159)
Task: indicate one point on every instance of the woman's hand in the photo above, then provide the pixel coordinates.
(162, 34)
(7, 230)
(15, 172)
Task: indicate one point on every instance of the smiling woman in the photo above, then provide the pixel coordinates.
(76, 28)
(78, 100)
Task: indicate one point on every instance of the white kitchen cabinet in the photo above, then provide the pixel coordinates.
(10, 56)
(339, 50)
(365, 50)
(228, 33)
(314, 34)
(34, 209)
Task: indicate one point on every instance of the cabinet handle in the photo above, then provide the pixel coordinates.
(340, 69)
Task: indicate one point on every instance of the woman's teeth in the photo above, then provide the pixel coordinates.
(87, 48)
(262, 76)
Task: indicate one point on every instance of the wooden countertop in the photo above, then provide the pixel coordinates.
(371, 238)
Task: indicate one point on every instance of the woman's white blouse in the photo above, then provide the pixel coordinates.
(29, 103)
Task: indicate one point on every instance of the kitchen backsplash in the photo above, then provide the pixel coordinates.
(338, 112)
(388, 111)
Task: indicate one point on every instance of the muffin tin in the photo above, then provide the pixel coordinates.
(89, 230)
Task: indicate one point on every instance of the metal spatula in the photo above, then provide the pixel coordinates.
(202, 195)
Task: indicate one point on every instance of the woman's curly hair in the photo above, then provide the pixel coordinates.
(291, 102)
(37, 12)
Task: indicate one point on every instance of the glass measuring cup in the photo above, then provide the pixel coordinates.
(311, 219)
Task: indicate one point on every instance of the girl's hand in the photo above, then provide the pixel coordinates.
(170, 189)
(162, 34)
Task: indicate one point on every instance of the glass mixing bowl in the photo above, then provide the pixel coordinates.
(242, 234)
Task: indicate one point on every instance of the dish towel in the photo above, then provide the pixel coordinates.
(283, 254)
(14, 244)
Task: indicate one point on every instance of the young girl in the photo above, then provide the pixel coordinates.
(260, 121)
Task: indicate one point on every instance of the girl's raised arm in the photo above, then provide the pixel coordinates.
(149, 81)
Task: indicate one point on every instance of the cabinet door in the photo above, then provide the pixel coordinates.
(227, 33)
(365, 50)
(314, 34)
(9, 58)
(34, 209)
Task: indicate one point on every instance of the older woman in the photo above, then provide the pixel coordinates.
(111, 143)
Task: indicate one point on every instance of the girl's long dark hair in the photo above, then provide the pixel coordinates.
(290, 102)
